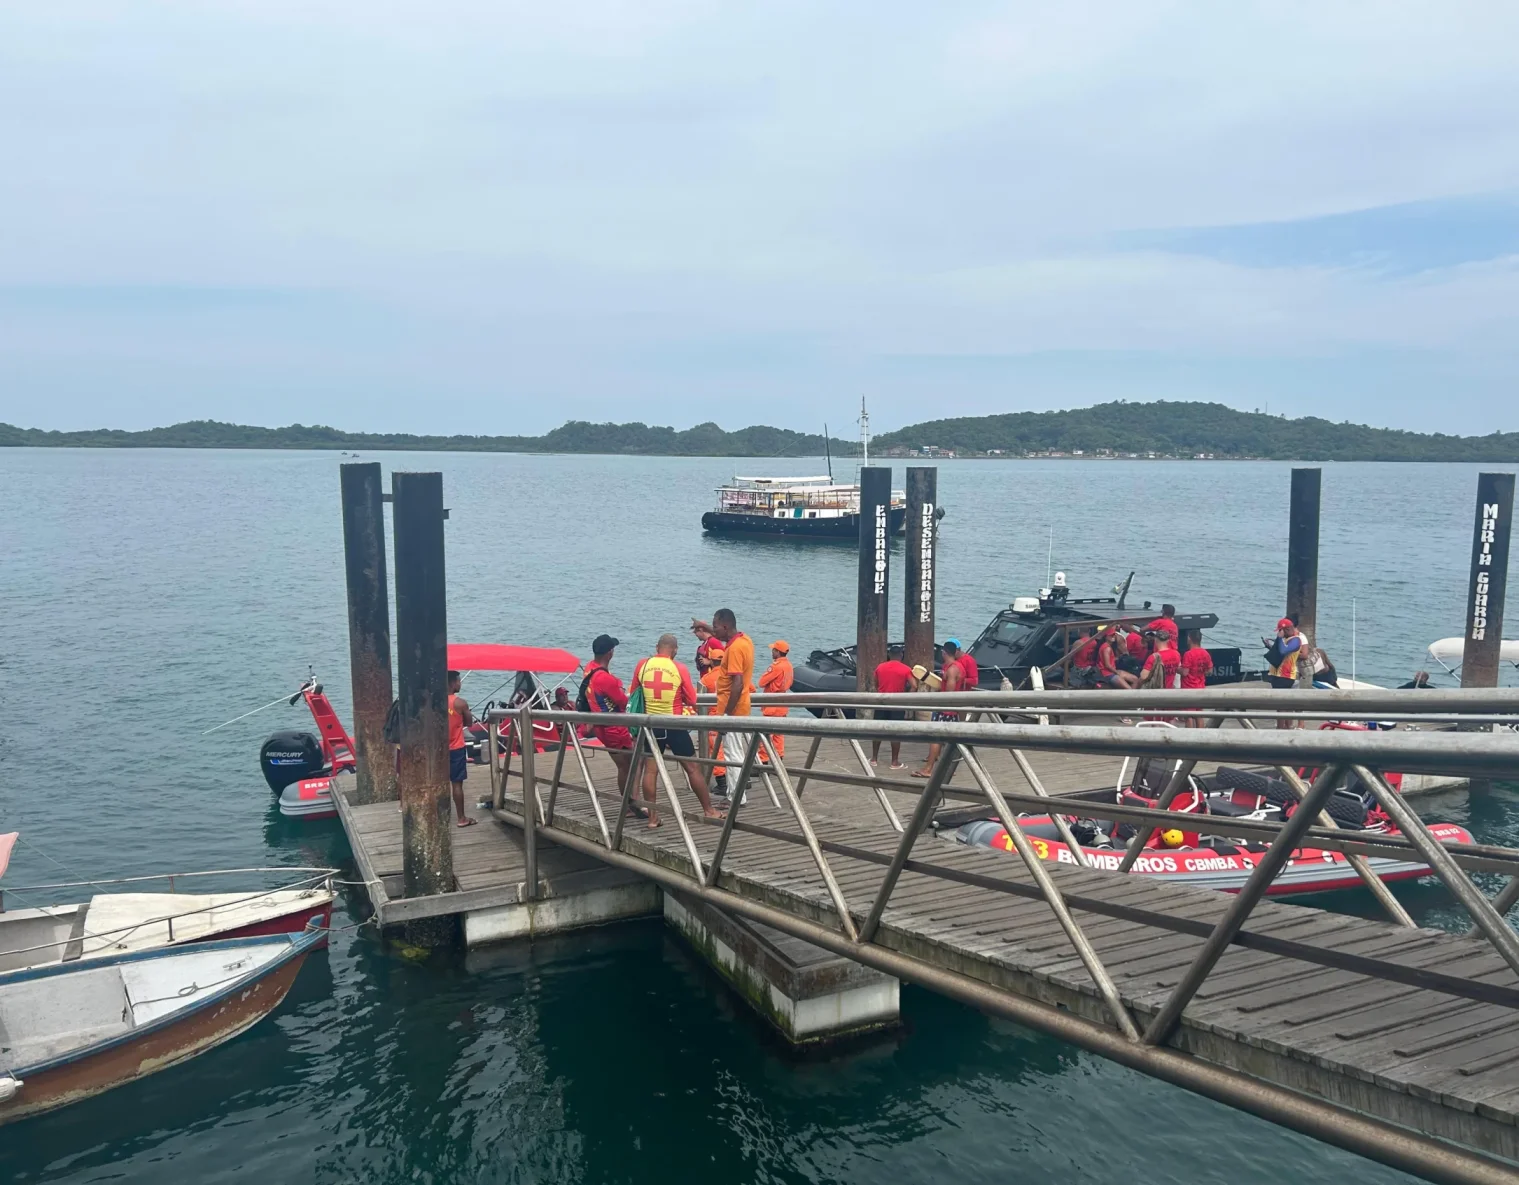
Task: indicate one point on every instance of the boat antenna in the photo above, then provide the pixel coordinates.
(1049, 558)
(827, 452)
(864, 433)
(1123, 593)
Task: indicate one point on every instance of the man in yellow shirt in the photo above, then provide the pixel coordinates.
(735, 680)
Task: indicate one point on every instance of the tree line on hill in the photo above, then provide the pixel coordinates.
(1161, 428)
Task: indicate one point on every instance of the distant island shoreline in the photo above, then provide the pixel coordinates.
(1110, 431)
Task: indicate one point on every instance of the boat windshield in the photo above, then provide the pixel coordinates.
(1004, 641)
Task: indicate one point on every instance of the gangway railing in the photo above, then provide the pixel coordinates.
(856, 931)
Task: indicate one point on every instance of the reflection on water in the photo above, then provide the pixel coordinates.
(158, 593)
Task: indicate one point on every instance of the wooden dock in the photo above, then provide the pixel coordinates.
(1354, 1013)
(489, 866)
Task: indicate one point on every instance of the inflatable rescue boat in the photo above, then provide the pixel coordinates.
(1198, 849)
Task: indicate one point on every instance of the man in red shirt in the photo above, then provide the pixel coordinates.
(1138, 649)
(1167, 657)
(892, 678)
(1165, 623)
(1196, 666)
(972, 669)
(603, 692)
(1084, 660)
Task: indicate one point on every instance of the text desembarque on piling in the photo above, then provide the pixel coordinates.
(926, 564)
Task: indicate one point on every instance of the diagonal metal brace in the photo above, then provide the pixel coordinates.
(1052, 895)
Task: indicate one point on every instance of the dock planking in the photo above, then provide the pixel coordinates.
(1441, 1064)
(490, 867)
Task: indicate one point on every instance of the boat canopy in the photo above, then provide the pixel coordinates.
(824, 480)
(1448, 650)
(7, 842)
(487, 656)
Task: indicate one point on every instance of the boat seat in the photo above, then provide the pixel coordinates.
(51, 1015)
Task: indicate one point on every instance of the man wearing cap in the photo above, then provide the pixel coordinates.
(602, 692)
(777, 680)
(709, 656)
(1282, 653)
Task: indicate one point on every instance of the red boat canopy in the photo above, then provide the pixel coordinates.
(486, 656)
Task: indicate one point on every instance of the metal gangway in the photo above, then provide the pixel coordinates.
(1397, 1042)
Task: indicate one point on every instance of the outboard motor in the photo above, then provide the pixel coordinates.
(287, 757)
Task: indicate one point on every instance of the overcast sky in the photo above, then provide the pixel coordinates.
(496, 216)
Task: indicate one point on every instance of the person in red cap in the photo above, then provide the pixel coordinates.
(1282, 652)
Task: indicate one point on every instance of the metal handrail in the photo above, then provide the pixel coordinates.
(1479, 754)
(1332, 753)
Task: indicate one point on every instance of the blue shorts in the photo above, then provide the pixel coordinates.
(458, 765)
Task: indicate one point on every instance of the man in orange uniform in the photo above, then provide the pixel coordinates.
(709, 656)
(459, 719)
(735, 680)
(777, 681)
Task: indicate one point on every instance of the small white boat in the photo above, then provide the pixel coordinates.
(1448, 652)
(70, 1031)
(120, 922)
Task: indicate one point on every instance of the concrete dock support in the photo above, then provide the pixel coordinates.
(808, 994)
(922, 540)
(422, 662)
(874, 596)
(1488, 585)
(368, 629)
(1303, 555)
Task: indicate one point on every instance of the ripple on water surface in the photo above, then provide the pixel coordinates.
(154, 594)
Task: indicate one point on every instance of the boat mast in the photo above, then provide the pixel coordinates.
(827, 452)
(864, 433)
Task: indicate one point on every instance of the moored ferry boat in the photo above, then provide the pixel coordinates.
(812, 507)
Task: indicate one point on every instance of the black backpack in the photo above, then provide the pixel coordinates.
(1274, 652)
(583, 696)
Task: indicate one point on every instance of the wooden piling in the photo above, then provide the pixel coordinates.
(422, 670)
(922, 540)
(1303, 555)
(874, 600)
(1488, 584)
(368, 630)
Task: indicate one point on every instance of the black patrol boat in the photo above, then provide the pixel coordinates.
(1032, 632)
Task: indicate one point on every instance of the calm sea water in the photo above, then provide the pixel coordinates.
(146, 596)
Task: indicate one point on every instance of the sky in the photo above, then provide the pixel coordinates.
(496, 216)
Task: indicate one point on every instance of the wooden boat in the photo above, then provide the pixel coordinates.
(116, 923)
(70, 1030)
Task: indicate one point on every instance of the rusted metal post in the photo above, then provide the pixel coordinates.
(422, 669)
(1303, 557)
(1488, 586)
(874, 594)
(922, 538)
(530, 805)
(368, 630)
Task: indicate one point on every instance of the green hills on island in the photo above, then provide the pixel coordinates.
(1121, 429)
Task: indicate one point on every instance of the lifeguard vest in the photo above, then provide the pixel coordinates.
(660, 679)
